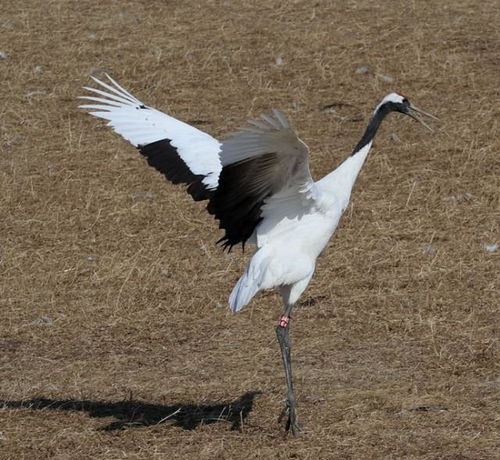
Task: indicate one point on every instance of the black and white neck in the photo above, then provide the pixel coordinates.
(341, 181)
(392, 102)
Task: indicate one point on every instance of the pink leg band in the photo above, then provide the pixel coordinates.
(284, 321)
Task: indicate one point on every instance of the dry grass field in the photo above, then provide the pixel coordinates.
(116, 339)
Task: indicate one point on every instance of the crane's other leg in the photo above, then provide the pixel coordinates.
(290, 409)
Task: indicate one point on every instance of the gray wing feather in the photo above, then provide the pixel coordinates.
(258, 162)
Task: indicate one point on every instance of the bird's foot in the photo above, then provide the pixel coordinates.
(292, 423)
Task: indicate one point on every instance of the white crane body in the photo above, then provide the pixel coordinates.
(293, 234)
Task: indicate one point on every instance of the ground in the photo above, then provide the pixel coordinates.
(116, 338)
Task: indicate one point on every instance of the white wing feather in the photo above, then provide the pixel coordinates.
(142, 125)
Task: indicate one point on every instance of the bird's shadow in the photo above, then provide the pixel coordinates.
(135, 414)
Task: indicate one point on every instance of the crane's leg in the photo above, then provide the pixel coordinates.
(290, 409)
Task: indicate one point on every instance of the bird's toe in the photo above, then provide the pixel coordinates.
(292, 424)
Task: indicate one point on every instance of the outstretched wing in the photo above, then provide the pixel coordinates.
(261, 163)
(179, 151)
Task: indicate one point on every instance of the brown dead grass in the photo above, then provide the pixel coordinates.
(403, 311)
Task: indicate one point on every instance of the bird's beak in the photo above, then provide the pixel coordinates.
(414, 111)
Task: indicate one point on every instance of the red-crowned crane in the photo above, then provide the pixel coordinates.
(258, 185)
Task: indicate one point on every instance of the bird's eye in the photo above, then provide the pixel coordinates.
(405, 101)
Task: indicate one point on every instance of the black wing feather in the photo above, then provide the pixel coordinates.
(163, 156)
(237, 203)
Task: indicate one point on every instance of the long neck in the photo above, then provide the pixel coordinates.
(380, 113)
(341, 181)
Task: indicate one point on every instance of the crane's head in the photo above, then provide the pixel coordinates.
(395, 102)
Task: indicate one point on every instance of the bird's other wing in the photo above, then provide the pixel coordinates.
(182, 153)
(262, 162)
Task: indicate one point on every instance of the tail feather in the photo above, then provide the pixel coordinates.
(246, 288)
